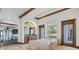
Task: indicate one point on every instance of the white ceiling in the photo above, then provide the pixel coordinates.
(48, 11)
(18, 11)
(38, 12)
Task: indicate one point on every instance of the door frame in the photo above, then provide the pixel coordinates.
(41, 26)
(70, 21)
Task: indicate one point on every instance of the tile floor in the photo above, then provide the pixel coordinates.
(25, 47)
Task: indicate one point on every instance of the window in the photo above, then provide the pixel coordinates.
(52, 31)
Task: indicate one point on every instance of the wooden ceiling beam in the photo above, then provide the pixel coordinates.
(25, 13)
(61, 10)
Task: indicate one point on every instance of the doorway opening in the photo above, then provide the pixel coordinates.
(41, 31)
(68, 33)
(29, 32)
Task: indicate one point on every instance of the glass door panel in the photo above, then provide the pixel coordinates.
(41, 31)
(68, 33)
(7, 36)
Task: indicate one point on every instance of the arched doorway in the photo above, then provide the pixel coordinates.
(29, 32)
(29, 28)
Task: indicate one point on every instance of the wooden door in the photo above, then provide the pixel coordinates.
(68, 36)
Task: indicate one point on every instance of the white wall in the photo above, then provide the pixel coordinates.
(57, 18)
